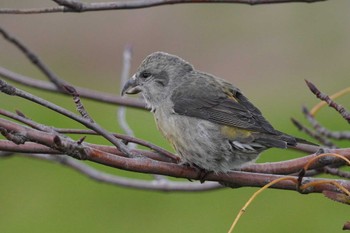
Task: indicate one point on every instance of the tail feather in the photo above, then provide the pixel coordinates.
(301, 144)
(282, 140)
(303, 141)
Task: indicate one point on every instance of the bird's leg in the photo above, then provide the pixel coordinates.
(202, 173)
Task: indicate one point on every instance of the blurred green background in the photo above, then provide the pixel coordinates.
(267, 51)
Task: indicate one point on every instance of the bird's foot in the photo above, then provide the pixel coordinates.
(202, 173)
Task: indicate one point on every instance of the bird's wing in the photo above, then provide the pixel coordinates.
(219, 102)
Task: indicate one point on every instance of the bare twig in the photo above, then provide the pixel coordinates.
(315, 135)
(83, 92)
(322, 130)
(121, 113)
(342, 111)
(334, 96)
(155, 185)
(125, 138)
(76, 6)
(21, 118)
(78, 103)
(10, 90)
(295, 165)
(33, 147)
(336, 172)
(59, 83)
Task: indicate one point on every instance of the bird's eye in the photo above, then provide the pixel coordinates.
(145, 74)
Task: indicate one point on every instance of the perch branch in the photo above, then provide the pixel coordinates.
(144, 165)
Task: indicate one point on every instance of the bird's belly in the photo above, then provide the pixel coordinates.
(202, 143)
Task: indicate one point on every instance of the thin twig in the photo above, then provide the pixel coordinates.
(83, 92)
(336, 172)
(125, 138)
(31, 146)
(59, 83)
(324, 141)
(121, 112)
(343, 112)
(78, 103)
(10, 90)
(76, 6)
(322, 130)
(336, 95)
(178, 186)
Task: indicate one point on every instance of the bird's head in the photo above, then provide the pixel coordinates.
(156, 77)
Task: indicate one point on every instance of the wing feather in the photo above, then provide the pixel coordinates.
(220, 102)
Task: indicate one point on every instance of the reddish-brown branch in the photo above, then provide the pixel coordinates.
(11, 90)
(21, 118)
(146, 165)
(295, 165)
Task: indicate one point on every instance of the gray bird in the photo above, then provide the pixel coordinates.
(209, 122)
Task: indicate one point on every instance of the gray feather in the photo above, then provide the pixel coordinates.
(195, 98)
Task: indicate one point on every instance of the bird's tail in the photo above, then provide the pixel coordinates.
(299, 143)
(282, 140)
(306, 146)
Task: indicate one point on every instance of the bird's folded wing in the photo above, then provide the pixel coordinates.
(220, 103)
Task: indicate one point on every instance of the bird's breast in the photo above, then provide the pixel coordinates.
(166, 123)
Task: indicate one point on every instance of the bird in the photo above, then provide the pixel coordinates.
(208, 121)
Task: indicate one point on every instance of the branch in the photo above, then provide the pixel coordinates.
(10, 90)
(340, 109)
(178, 186)
(59, 84)
(145, 165)
(235, 179)
(83, 92)
(78, 7)
(121, 113)
(322, 130)
(324, 141)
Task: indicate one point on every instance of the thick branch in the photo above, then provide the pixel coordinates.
(145, 165)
